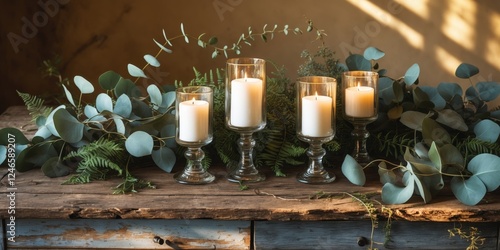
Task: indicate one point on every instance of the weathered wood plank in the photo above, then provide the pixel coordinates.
(276, 198)
(345, 235)
(131, 234)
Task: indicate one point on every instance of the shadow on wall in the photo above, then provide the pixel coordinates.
(93, 36)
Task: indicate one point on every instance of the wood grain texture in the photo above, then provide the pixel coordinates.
(345, 235)
(277, 198)
(131, 234)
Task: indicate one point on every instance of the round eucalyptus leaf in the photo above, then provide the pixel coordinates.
(155, 95)
(421, 186)
(450, 155)
(53, 167)
(214, 40)
(120, 126)
(168, 132)
(495, 114)
(123, 106)
(135, 71)
(468, 191)
(68, 95)
(104, 102)
(449, 89)
(139, 144)
(386, 90)
(50, 121)
(488, 91)
(394, 194)
(412, 74)
(421, 150)
(434, 97)
(353, 171)
(83, 85)
(3, 153)
(466, 71)
(457, 102)
(372, 53)
(487, 130)
(164, 158)
(452, 119)
(386, 175)
(435, 157)
(433, 132)
(162, 47)
(358, 62)
(68, 127)
(127, 86)
(152, 60)
(487, 168)
(141, 109)
(471, 93)
(382, 72)
(419, 96)
(413, 119)
(35, 156)
(9, 135)
(109, 79)
(43, 132)
(395, 112)
(168, 99)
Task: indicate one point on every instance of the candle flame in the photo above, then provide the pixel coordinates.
(316, 95)
(193, 100)
(359, 85)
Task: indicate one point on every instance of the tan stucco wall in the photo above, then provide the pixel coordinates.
(94, 36)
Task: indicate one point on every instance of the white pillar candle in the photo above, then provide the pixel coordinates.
(246, 102)
(317, 116)
(193, 120)
(359, 101)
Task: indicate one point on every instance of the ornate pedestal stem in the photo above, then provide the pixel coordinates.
(194, 173)
(360, 134)
(246, 170)
(315, 172)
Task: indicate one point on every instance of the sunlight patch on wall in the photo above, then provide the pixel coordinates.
(419, 8)
(459, 22)
(448, 61)
(414, 38)
(493, 44)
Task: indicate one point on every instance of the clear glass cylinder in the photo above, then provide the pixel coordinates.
(246, 94)
(193, 113)
(360, 96)
(316, 108)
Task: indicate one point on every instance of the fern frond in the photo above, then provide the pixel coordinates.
(393, 144)
(96, 160)
(471, 147)
(35, 106)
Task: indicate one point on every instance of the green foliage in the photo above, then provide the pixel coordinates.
(99, 159)
(35, 106)
(278, 145)
(447, 132)
(391, 143)
(473, 236)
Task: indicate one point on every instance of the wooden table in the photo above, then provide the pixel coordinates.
(278, 213)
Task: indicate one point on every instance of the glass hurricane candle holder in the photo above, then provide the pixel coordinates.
(360, 107)
(193, 115)
(316, 111)
(245, 111)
